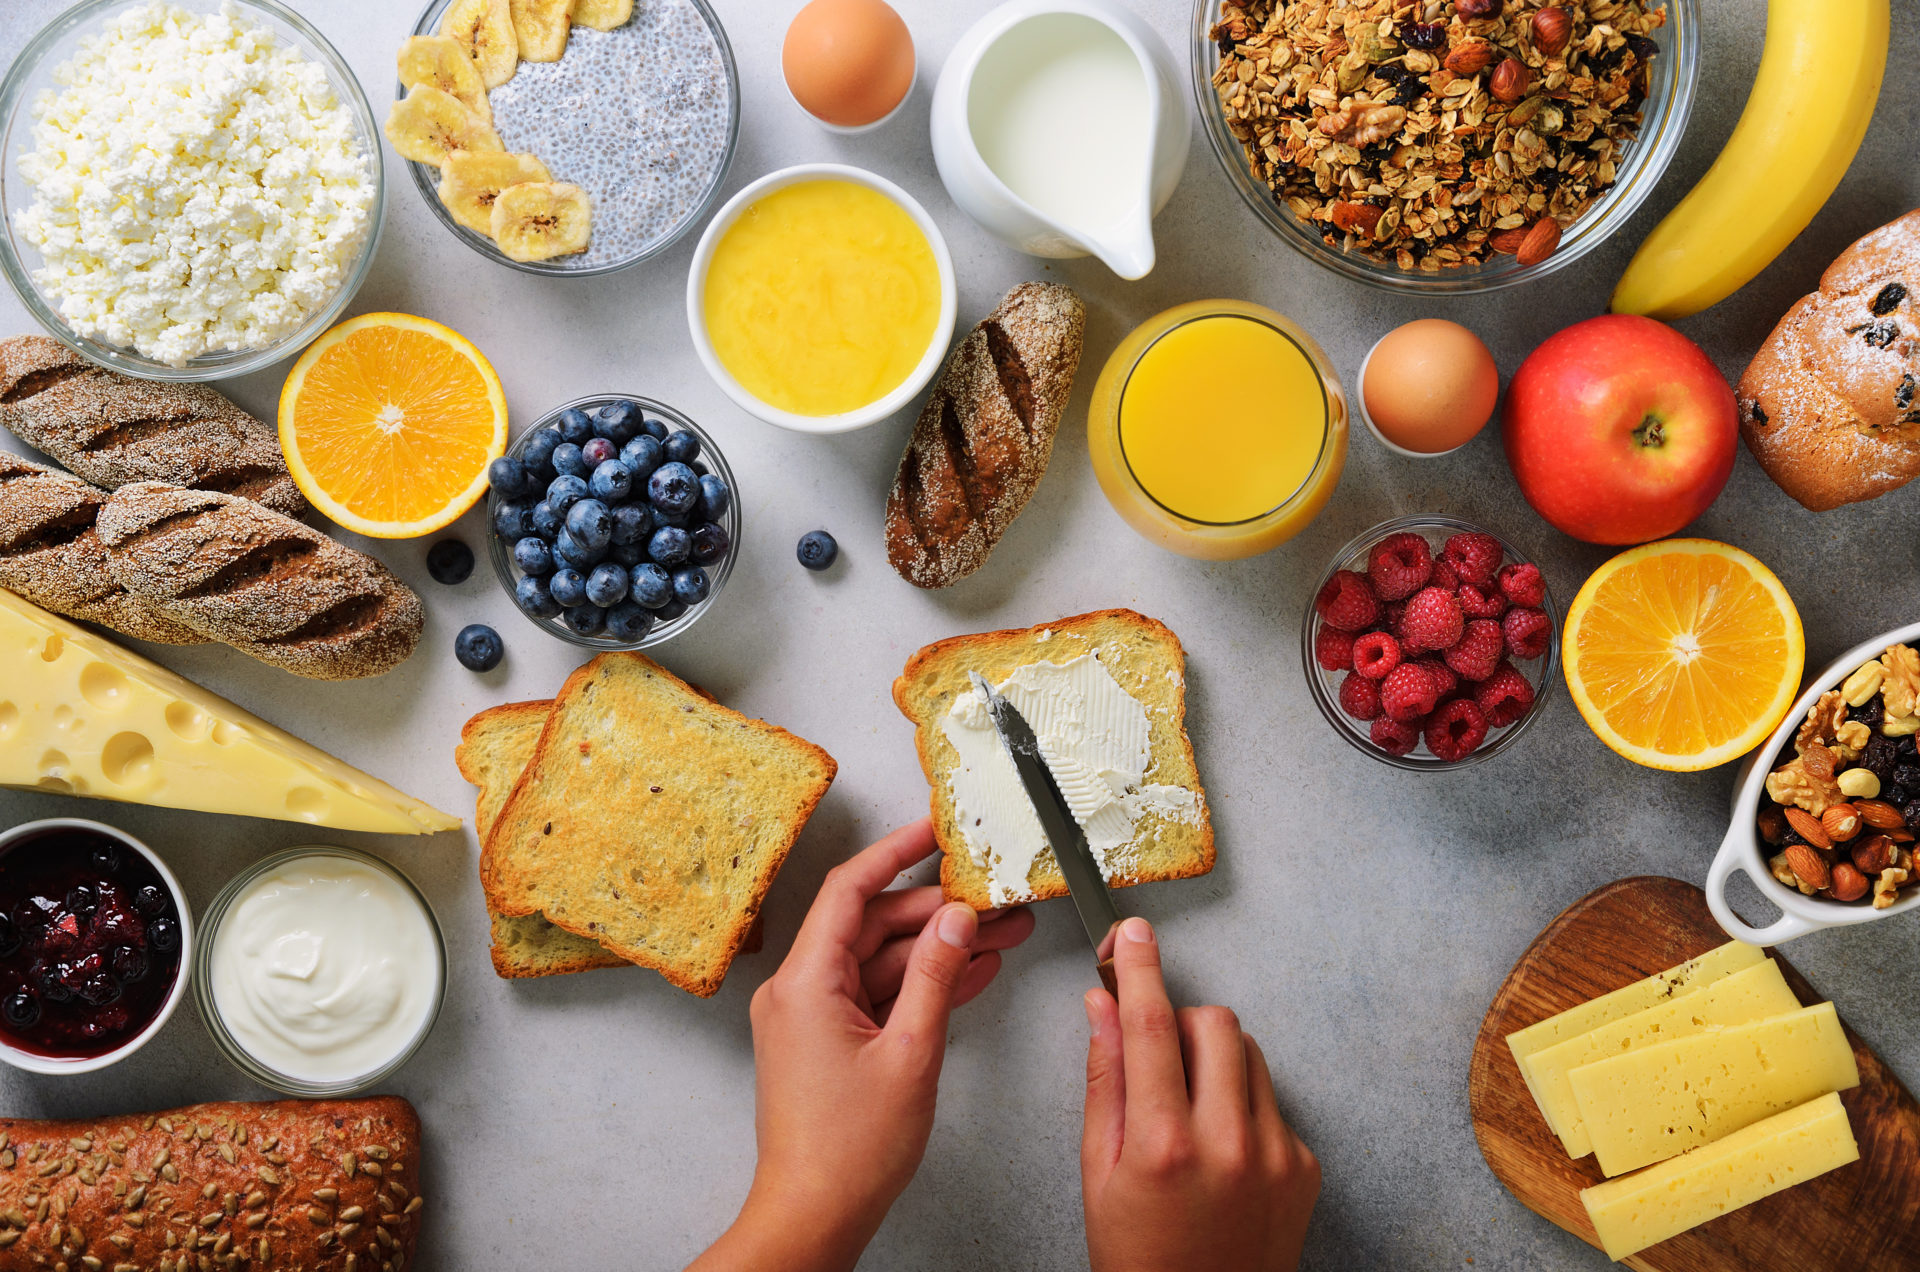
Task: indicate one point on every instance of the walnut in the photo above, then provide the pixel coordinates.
(1777, 867)
(1902, 688)
(1886, 889)
(1793, 784)
(1823, 723)
(1364, 123)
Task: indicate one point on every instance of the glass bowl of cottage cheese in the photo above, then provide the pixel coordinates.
(192, 189)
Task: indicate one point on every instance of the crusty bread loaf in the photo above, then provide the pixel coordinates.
(652, 819)
(1148, 663)
(292, 1184)
(50, 553)
(1831, 404)
(113, 430)
(983, 439)
(237, 571)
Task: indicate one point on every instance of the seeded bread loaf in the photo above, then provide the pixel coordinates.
(50, 553)
(983, 439)
(239, 572)
(293, 1184)
(113, 430)
(1145, 659)
(652, 820)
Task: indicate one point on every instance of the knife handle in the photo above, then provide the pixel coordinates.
(1107, 977)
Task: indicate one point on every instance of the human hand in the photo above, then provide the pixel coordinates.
(848, 1039)
(1185, 1162)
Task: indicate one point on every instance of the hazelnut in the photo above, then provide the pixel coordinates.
(1873, 854)
(1476, 8)
(1510, 80)
(1848, 883)
(1552, 27)
(1841, 822)
(1356, 218)
(1470, 58)
(1771, 823)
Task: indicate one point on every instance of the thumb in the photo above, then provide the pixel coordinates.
(1106, 1111)
(939, 959)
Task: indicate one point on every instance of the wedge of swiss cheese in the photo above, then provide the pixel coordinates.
(81, 716)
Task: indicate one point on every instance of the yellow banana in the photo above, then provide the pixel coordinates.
(1819, 79)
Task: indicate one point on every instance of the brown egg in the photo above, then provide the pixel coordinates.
(1430, 386)
(848, 62)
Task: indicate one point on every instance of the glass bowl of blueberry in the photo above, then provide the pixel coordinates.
(614, 522)
(95, 939)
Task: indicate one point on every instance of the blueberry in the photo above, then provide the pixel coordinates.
(569, 588)
(590, 524)
(652, 586)
(691, 586)
(9, 936)
(681, 447)
(671, 610)
(129, 963)
(715, 496)
(607, 585)
(575, 426)
(21, 1010)
(478, 647)
(105, 858)
(569, 551)
(817, 550)
(83, 900)
(512, 519)
(566, 491)
(678, 520)
(508, 477)
(611, 481)
(598, 451)
(629, 622)
(673, 488)
(164, 935)
(531, 595)
(700, 468)
(536, 456)
(547, 520)
(618, 421)
(710, 543)
(584, 620)
(533, 555)
(52, 988)
(641, 456)
(627, 554)
(632, 523)
(568, 458)
(150, 900)
(451, 561)
(670, 546)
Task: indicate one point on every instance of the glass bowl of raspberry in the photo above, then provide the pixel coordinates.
(1430, 643)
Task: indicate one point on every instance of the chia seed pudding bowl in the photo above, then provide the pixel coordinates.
(651, 150)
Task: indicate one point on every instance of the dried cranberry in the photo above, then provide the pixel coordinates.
(1425, 36)
(129, 964)
(1642, 47)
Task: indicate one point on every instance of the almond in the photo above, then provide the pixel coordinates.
(1880, 815)
(1543, 238)
(1356, 218)
(1808, 827)
(1848, 883)
(1510, 79)
(1841, 822)
(1470, 58)
(1552, 27)
(1508, 242)
(1873, 854)
(1808, 867)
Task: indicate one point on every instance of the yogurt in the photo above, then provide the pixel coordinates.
(325, 969)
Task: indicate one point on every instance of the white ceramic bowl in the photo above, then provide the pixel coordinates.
(33, 1062)
(1742, 852)
(873, 412)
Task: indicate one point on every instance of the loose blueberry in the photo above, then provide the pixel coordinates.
(652, 586)
(627, 554)
(164, 935)
(618, 421)
(681, 447)
(508, 477)
(478, 647)
(569, 551)
(656, 429)
(598, 451)
(451, 561)
(569, 459)
(607, 585)
(673, 488)
(690, 586)
(150, 900)
(629, 622)
(569, 588)
(642, 455)
(537, 455)
(817, 550)
(710, 543)
(715, 496)
(575, 426)
(590, 524)
(670, 546)
(672, 610)
(531, 594)
(130, 964)
(547, 520)
(567, 490)
(611, 482)
(533, 555)
(585, 620)
(512, 519)
(632, 523)
(21, 1010)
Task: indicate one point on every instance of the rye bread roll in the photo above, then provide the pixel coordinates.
(112, 430)
(269, 1187)
(983, 439)
(50, 554)
(268, 585)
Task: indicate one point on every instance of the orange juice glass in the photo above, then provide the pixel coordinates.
(1218, 429)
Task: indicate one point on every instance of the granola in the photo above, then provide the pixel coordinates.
(1462, 134)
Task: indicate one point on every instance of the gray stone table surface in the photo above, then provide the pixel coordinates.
(1359, 918)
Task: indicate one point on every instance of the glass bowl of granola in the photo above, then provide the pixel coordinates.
(1450, 146)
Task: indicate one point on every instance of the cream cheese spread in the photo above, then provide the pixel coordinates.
(1095, 738)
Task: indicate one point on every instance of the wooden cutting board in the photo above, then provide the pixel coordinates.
(1861, 1218)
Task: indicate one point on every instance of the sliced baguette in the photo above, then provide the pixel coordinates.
(652, 820)
(1147, 661)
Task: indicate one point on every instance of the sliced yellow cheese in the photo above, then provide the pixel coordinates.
(1657, 1102)
(1684, 1192)
(1692, 975)
(82, 716)
(1756, 993)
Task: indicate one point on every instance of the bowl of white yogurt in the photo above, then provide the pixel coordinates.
(320, 970)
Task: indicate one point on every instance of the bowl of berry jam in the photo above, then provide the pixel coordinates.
(94, 937)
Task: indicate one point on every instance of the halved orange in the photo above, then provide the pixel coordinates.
(1683, 654)
(389, 422)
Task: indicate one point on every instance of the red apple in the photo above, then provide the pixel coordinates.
(1620, 430)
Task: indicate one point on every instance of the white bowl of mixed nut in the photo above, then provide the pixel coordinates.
(1824, 815)
(1452, 147)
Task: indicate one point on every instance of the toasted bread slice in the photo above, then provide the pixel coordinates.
(1145, 659)
(494, 749)
(652, 820)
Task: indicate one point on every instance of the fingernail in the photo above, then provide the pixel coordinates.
(1138, 930)
(956, 926)
(1093, 1016)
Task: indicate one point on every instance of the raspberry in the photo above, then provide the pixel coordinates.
(1346, 602)
(1474, 557)
(1504, 696)
(1523, 585)
(1444, 681)
(1480, 601)
(1479, 650)
(1360, 697)
(1390, 615)
(1394, 737)
(1408, 692)
(1375, 655)
(1399, 566)
(1333, 649)
(1444, 577)
(1456, 730)
(1528, 631)
(1432, 621)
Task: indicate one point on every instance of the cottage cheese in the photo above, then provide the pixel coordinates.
(198, 188)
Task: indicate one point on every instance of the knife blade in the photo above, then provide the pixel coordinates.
(1091, 899)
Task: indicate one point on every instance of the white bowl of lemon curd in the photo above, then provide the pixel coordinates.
(821, 298)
